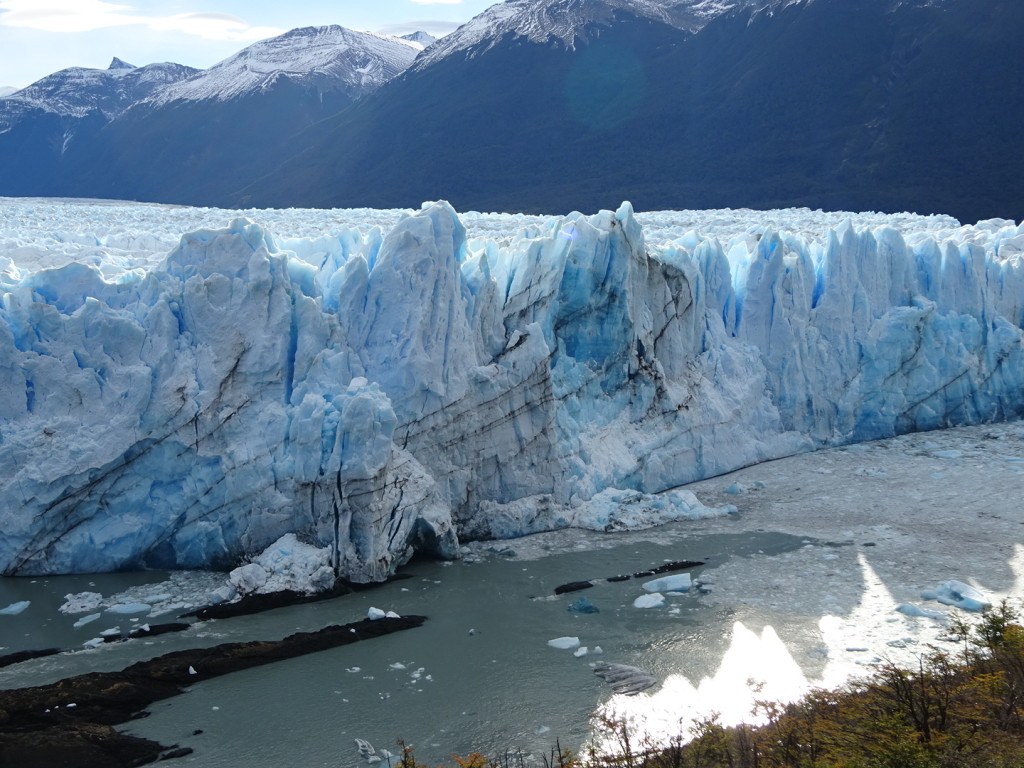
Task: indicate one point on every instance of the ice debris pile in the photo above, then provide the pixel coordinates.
(286, 564)
(378, 393)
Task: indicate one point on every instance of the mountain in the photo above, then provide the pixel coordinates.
(563, 21)
(198, 139)
(180, 137)
(6, 90)
(421, 38)
(554, 105)
(40, 124)
(79, 91)
(319, 59)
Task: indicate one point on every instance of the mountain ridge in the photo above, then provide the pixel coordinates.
(330, 57)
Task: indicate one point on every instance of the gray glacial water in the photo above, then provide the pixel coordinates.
(479, 675)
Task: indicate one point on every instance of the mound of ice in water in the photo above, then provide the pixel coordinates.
(82, 602)
(565, 643)
(624, 678)
(679, 582)
(15, 608)
(959, 595)
(285, 564)
(655, 600)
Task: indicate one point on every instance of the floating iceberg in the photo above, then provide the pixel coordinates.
(679, 582)
(378, 394)
(624, 678)
(583, 605)
(959, 595)
(81, 602)
(565, 643)
(655, 600)
(125, 608)
(86, 620)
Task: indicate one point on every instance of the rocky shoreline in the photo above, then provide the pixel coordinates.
(70, 723)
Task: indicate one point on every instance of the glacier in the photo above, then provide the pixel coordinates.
(390, 389)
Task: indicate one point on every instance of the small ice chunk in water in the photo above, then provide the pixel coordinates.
(15, 608)
(925, 613)
(649, 601)
(624, 678)
(130, 608)
(392, 615)
(86, 619)
(679, 582)
(222, 595)
(581, 651)
(81, 602)
(564, 643)
(583, 605)
(375, 613)
(366, 749)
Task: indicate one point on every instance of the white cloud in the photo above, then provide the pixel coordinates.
(212, 26)
(89, 15)
(63, 15)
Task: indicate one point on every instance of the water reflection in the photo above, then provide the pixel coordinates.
(756, 667)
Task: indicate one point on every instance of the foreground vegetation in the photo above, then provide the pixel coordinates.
(960, 709)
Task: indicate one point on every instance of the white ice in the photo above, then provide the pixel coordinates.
(81, 602)
(679, 582)
(411, 371)
(655, 600)
(565, 643)
(959, 595)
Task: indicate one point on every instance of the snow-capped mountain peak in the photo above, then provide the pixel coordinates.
(328, 57)
(423, 38)
(78, 91)
(564, 20)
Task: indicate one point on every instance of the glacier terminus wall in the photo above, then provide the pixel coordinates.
(388, 390)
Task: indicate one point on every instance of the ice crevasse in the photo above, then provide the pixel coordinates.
(396, 391)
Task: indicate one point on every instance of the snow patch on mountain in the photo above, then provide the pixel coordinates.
(565, 20)
(329, 58)
(421, 38)
(79, 91)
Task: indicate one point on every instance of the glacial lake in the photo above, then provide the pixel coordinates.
(478, 676)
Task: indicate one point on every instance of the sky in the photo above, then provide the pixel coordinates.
(38, 37)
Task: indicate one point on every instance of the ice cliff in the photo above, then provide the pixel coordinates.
(379, 393)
